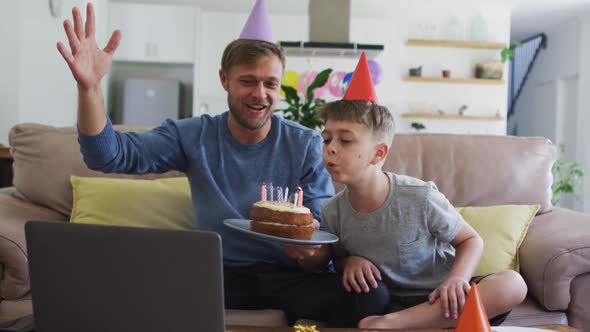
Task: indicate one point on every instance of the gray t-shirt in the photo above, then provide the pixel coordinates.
(407, 238)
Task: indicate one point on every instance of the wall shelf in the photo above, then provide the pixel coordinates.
(452, 116)
(456, 43)
(453, 80)
(323, 49)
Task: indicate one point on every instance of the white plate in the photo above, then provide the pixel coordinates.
(516, 329)
(318, 237)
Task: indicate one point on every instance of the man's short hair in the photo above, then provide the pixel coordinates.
(248, 51)
(376, 117)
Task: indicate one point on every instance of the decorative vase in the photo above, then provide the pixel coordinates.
(446, 73)
(489, 70)
(417, 72)
(479, 28)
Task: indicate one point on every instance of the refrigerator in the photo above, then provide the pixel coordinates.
(148, 102)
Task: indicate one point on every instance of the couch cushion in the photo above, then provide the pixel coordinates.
(478, 170)
(14, 213)
(44, 159)
(159, 203)
(14, 309)
(502, 229)
(530, 313)
(555, 252)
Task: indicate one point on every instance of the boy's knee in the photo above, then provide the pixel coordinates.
(514, 285)
(518, 285)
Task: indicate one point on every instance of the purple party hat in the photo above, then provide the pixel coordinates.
(257, 26)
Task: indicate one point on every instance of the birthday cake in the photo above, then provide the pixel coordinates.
(282, 218)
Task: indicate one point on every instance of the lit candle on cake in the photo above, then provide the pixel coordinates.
(279, 194)
(271, 191)
(299, 197)
(263, 192)
(286, 195)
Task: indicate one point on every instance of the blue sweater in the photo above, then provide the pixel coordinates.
(225, 176)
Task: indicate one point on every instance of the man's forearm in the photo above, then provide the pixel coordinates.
(91, 111)
(467, 256)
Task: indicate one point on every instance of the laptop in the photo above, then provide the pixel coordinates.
(113, 278)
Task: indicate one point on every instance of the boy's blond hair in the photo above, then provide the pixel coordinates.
(376, 117)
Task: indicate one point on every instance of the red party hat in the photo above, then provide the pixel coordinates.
(361, 85)
(473, 317)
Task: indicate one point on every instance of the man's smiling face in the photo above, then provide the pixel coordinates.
(253, 90)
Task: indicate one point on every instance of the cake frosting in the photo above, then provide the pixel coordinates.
(282, 219)
(282, 206)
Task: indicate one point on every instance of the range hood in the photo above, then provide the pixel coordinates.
(329, 33)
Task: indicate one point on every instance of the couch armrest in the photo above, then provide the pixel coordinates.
(555, 250)
(14, 213)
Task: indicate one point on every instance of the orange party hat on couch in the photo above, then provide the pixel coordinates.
(473, 317)
(361, 85)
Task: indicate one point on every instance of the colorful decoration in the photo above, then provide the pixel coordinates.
(305, 80)
(376, 71)
(345, 82)
(290, 79)
(336, 85)
(305, 328)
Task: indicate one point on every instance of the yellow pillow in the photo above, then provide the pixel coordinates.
(502, 228)
(161, 203)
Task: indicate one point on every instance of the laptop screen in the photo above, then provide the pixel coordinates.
(113, 278)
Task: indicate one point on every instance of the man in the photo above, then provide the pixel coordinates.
(226, 158)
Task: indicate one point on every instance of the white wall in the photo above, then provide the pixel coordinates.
(391, 26)
(481, 99)
(584, 106)
(10, 27)
(39, 87)
(550, 104)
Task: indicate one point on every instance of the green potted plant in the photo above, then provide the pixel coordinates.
(302, 109)
(418, 126)
(568, 179)
(495, 69)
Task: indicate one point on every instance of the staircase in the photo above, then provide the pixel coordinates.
(520, 67)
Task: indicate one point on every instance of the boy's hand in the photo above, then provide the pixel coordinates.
(452, 294)
(357, 271)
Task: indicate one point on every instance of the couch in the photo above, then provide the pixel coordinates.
(469, 170)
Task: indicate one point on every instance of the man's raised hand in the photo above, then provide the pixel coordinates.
(86, 60)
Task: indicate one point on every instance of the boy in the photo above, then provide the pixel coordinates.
(395, 231)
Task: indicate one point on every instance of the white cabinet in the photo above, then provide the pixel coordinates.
(154, 33)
